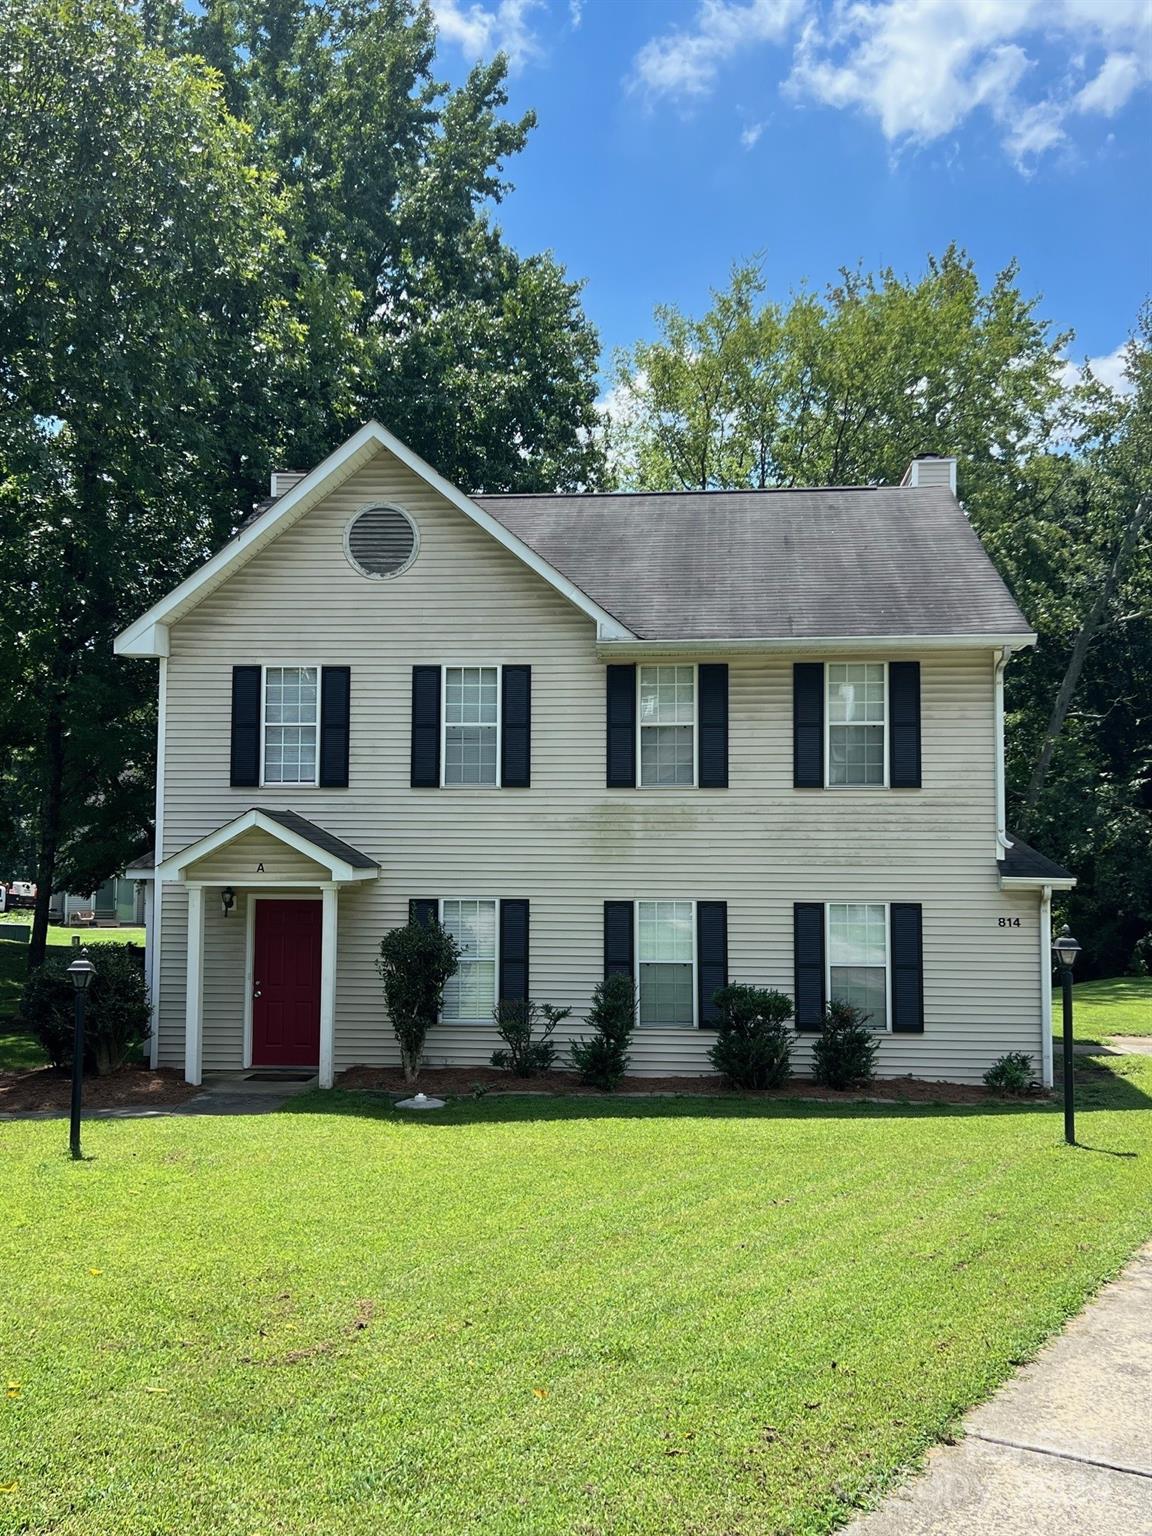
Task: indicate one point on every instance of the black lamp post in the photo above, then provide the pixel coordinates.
(81, 971)
(1066, 949)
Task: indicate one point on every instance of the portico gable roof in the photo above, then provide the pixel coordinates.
(343, 862)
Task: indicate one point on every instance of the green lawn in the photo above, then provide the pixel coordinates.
(553, 1317)
(18, 1051)
(1122, 1005)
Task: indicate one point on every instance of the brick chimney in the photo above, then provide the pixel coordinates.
(931, 469)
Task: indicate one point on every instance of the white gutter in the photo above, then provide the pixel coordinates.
(800, 645)
(1046, 1072)
(1003, 841)
(152, 958)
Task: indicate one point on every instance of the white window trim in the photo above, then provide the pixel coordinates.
(884, 727)
(276, 666)
(491, 666)
(498, 903)
(641, 728)
(862, 901)
(676, 1028)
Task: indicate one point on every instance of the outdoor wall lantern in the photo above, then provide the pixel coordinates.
(1066, 949)
(227, 900)
(81, 971)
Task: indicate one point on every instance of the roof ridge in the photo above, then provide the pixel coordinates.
(738, 490)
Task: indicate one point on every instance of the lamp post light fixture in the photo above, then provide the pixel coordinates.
(1066, 949)
(81, 971)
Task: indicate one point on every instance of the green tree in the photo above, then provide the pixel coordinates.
(145, 359)
(479, 358)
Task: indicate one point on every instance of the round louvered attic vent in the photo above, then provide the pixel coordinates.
(381, 541)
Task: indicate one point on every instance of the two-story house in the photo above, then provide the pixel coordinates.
(752, 736)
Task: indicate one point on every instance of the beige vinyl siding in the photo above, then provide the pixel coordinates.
(259, 859)
(568, 844)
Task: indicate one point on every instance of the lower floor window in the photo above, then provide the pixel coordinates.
(471, 993)
(858, 958)
(665, 956)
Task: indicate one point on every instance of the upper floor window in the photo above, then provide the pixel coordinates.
(666, 964)
(291, 725)
(470, 995)
(857, 723)
(667, 718)
(471, 725)
(858, 958)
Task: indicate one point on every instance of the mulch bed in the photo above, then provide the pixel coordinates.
(51, 1088)
(446, 1082)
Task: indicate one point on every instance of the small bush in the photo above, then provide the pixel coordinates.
(603, 1060)
(415, 963)
(1011, 1074)
(844, 1053)
(116, 1012)
(516, 1024)
(754, 1044)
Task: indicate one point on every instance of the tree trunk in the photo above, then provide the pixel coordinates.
(1076, 664)
(48, 840)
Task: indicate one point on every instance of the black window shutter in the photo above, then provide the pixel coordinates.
(713, 707)
(621, 727)
(907, 945)
(808, 725)
(904, 724)
(516, 727)
(808, 963)
(619, 939)
(424, 909)
(711, 957)
(245, 759)
(513, 952)
(425, 727)
(335, 697)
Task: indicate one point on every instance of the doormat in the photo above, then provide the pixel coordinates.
(279, 1077)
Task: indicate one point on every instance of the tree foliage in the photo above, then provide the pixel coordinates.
(415, 964)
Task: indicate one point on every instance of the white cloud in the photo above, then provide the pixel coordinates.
(684, 63)
(481, 31)
(921, 68)
(1108, 369)
(1119, 77)
(750, 136)
(575, 12)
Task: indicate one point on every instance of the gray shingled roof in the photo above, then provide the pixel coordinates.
(1024, 863)
(319, 838)
(886, 560)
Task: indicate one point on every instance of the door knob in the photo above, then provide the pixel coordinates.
(256, 990)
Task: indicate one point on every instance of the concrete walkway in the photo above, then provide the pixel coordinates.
(227, 1093)
(1064, 1448)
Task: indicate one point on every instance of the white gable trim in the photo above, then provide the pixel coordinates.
(338, 869)
(148, 635)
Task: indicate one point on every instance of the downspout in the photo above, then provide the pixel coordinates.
(1003, 841)
(1046, 985)
(153, 935)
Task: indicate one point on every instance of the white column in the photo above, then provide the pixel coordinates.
(1046, 986)
(152, 898)
(327, 985)
(194, 995)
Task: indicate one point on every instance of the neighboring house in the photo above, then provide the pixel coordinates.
(750, 736)
(119, 902)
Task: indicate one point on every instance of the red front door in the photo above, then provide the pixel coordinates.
(286, 984)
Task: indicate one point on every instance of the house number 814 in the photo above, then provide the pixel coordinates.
(1008, 922)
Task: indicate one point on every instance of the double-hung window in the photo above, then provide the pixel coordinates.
(857, 723)
(666, 962)
(471, 725)
(470, 995)
(291, 725)
(667, 716)
(858, 958)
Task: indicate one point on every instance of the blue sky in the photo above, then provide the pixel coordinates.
(676, 136)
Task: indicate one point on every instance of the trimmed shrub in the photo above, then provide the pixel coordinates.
(116, 1013)
(753, 1044)
(844, 1053)
(1011, 1074)
(603, 1060)
(415, 963)
(517, 1021)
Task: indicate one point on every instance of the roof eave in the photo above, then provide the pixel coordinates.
(1037, 882)
(803, 644)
